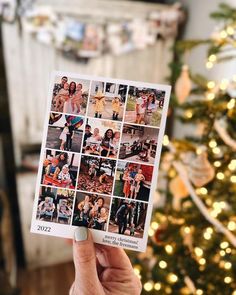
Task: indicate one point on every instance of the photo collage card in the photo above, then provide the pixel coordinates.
(99, 158)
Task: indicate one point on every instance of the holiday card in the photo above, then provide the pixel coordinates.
(99, 158)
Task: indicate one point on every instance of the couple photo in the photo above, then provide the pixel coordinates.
(91, 211)
(133, 181)
(55, 205)
(70, 95)
(102, 138)
(107, 100)
(65, 132)
(127, 217)
(60, 169)
(144, 106)
(96, 175)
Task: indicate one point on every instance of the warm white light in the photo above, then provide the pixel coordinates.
(209, 65)
(224, 83)
(230, 30)
(220, 175)
(231, 225)
(198, 251)
(209, 230)
(227, 280)
(199, 292)
(172, 278)
(169, 249)
(187, 230)
(222, 253)
(151, 232)
(228, 265)
(136, 271)
(212, 58)
(216, 150)
(203, 191)
(211, 84)
(228, 250)
(207, 236)
(231, 104)
(224, 245)
(166, 140)
(233, 178)
(210, 96)
(223, 34)
(162, 264)
(217, 163)
(202, 261)
(157, 286)
(188, 114)
(212, 143)
(148, 286)
(154, 225)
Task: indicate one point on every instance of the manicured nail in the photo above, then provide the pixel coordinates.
(81, 233)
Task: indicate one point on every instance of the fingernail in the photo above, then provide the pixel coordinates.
(81, 233)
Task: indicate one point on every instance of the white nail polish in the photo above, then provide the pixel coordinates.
(81, 233)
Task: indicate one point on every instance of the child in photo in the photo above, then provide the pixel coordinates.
(64, 176)
(132, 230)
(77, 99)
(135, 186)
(99, 104)
(46, 206)
(116, 105)
(61, 97)
(103, 177)
(150, 108)
(92, 171)
(140, 108)
(93, 143)
(100, 221)
(63, 136)
(126, 178)
(84, 207)
(64, 208)
(51, 167)
(115, 141)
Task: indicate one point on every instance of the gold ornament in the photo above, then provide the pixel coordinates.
(179, 192)
(183, 85)
(200, 171)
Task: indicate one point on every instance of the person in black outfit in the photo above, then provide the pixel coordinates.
(87, 134)
(122, 216)
(69, 136)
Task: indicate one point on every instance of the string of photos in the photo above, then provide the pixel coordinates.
(83, 37)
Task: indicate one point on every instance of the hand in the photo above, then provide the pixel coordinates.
(101, 270)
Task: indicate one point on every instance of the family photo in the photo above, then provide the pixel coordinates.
(107, 100)
(70, 95)
(96, 175)
(138, 143)
(91, 210)
(60, 169)
(127, 217)
(101, 138)
(144, 106)
(55, 205)
(133, 181)
(65, 132)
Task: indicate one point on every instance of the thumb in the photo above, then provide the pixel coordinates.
(86, 278)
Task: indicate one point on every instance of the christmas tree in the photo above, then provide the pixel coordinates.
(192, 245)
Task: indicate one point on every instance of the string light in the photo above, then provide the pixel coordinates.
(220, 176)
(212, 58)
(188, 114)
(209, 230)
(154, 225)
(222, 253)
(168, 290)
(231, 225)
(198, 251)
(223, 34)
(210, 96)
(232, 165)
(207, 236)
(166, 140)
(137, 270)
(187, 230)
(151, 232)
(209, 65)
(228, 250)
(227, 280)
(227, 265)
(199, 292)
(162, 264)
(231, 104)
(223, 84)
(230, 30)
(157, 286)
(212, 143)
(148, 286)
(202, 261)
(202, 191)
(211, 84)
(234, 293)
(224, 245)
(233, 178)
(169, 249)
(217, 163)
(216, 150)
(172, 278)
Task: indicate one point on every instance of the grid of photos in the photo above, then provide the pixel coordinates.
(99, 155)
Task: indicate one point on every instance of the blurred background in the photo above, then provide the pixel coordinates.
(188, 44)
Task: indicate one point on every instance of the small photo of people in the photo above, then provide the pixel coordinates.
(138, 143)
(55, 204)
(70, 95)
(65, 132)
(102, 138)
(127, 217)
(96, 175)
(60, 169)
(133, 181)
(107, 100)
(144, 106)
(91, 210)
